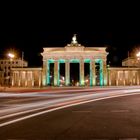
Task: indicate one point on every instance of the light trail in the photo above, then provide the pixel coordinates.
(61, 106)
(47, 103)
(37, 106)
(53, 93)
(43, 103)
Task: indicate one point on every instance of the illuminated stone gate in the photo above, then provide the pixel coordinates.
(75, 53)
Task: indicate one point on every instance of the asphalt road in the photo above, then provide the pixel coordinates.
(114, 118)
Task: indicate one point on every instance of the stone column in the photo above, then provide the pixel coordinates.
(109, 77)
(92, 73)
(48, 72)
(124, 77)
(130, 77)
(67, 73)
(104, 73)
(19, 77)
(26, 78)
(44, 72)
(56, 73)
(39, 79)
(117, 78)
(13, 78)
(32, 78)
(137, 77)
(82, 81)
(101, 73)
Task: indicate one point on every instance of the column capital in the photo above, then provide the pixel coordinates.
(67, 73)
(104, 60)
(92, 60)
(67, 60)
(81, 59)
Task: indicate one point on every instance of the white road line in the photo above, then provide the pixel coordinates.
(119, 111)
(65, 106)
(128, 139)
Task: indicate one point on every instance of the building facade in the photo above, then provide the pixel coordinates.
(128, 74)
(99, 73)
(131, 62)
(5, 69)
(26, 77)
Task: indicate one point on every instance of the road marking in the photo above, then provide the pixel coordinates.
(80, 111)
(62, 107)
(99, 139)
(119, 111)
(15, 139)
(128, 139)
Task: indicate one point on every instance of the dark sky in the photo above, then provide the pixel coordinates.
(29, 28)
(32, 42)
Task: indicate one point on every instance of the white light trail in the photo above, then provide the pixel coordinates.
(61, 103)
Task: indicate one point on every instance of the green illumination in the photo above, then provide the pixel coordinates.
(74, 60)
(50, 61)
(100, 70)
(82, 83)
(101, 73)
(98, 60)
(48, 73)
(58, 79)
(61, 60)
(87, 60)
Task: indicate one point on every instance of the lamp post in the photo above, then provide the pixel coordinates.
(108, 74)
(138, 57)
(11, 56)
(22, 59)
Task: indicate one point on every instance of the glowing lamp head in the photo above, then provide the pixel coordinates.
(11, 55)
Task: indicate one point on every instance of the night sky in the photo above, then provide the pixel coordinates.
(32, 43)
(30, 28)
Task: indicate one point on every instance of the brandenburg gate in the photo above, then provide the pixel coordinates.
(75, 53)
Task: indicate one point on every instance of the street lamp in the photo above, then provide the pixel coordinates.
(11, 56)
(138, 54)
(138, 57)
(22, 58)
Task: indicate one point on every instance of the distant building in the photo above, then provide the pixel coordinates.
(100, 74)
(128, 74)
(26, 77)
(131, 62)
(5, 68)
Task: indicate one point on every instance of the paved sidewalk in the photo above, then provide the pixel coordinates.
(47, 89)
(35, 89)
